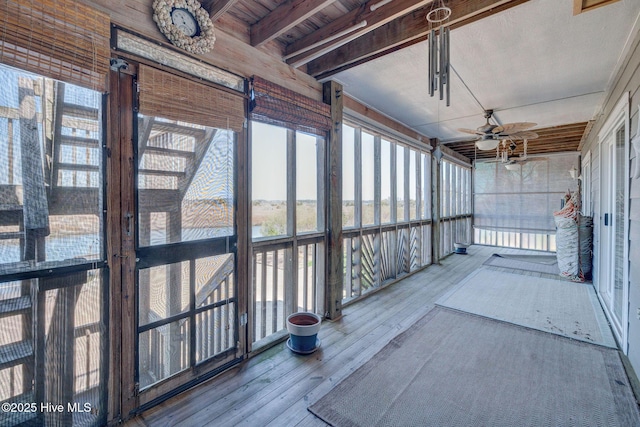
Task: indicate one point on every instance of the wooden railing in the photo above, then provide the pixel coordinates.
(456, 229)
(540, 240)
(287, 277)
(376, 256)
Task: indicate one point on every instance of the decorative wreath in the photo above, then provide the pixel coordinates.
(199, 44)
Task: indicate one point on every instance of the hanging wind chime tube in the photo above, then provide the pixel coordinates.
(447, 65)
(439, 53)
(432, 62)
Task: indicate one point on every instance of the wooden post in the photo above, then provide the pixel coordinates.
(120, 245)
(35, 205)
(435, 206)
(333, 95)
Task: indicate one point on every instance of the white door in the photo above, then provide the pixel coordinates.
(612, 279)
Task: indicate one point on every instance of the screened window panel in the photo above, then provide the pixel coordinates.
(368, 178)
(413, 189)
(524, 199)
(71, 329)
(426, 186)
(268, 180)
(51, 179)
(400, 183)
(185, 181)
(163, 352)
(163, 292)
(307, 200)
(215, 286)
(348, 176)
(386, 201)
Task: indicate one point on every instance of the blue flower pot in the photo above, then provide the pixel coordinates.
(303, 330)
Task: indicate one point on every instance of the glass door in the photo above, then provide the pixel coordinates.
(612, 276)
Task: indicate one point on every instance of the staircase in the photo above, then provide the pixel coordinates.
(74, 173)
(18, 357)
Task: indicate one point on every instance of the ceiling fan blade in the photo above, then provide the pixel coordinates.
(523, 135)
(471, 131)
(533, 159)
(509, 128)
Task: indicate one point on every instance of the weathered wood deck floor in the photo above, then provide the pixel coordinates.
(274, 388)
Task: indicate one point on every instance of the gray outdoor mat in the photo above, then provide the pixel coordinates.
(457, 369)
(557, 306)
(536, 263)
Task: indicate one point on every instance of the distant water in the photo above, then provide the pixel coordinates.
(89, 246)
(57, 248)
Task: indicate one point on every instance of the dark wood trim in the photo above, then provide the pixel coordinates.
(333, 95)
(243, 233)
(120, 196)
(400, 33)
(112, 206)
(363, 13)
(381, 120)
(286, 16)
(217, 8)
(581, 6)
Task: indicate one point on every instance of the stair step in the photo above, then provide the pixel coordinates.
(78, 141)
(81, 111)
(15, 353)
(169, 152)
(179, 129)
(15, 305)
(78, 167)
(155, 172)
(11, 236)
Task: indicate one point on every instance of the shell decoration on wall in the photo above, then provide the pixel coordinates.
(198, 41)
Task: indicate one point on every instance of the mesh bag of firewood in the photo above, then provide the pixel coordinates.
(567, 241)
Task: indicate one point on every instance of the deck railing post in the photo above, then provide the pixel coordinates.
(333, 95)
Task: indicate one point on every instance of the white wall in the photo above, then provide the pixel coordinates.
(627, 80)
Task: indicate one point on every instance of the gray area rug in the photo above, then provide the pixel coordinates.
(457, 369)
(536, 263)
(557, 306)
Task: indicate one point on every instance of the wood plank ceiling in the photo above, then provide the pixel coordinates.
(324, 37)
(555, 139)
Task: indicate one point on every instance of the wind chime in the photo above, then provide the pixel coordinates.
(439, 66)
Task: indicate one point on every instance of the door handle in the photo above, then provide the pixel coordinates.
(128, 217)
(606, 220)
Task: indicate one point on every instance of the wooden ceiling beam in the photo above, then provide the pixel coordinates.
(283, 18)
(580, 6)
(373, 18)
(217, 8)
(402, 32)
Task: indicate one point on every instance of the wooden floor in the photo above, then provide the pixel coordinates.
(275, 387)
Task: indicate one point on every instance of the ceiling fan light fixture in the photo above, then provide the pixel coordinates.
(487, 144)
(512, 166)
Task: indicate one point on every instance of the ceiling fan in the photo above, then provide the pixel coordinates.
(489, 135)
(512, 163)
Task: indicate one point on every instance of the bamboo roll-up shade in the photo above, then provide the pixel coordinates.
(61, 39)
(176, 98)
(280, 106)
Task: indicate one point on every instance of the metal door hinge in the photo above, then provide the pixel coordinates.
(243, 319)
(118, 64)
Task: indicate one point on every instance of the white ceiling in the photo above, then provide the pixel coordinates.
(536, 62)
